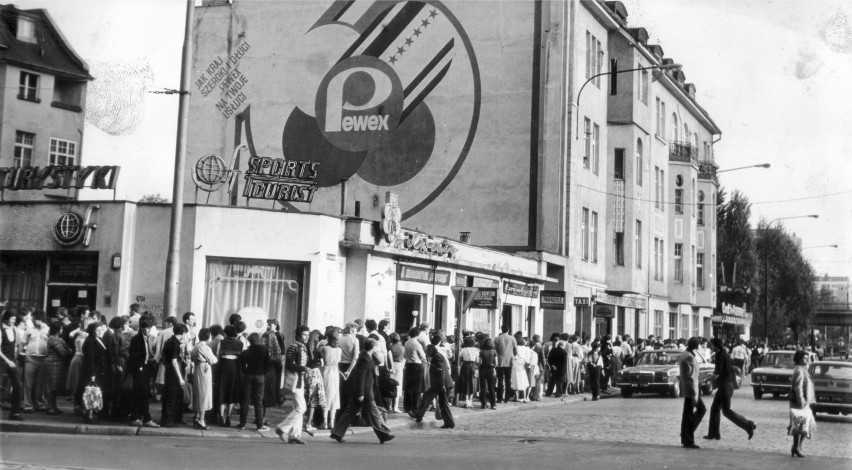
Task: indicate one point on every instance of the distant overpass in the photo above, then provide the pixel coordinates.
(834, 314)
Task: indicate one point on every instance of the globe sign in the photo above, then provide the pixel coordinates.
(68, 228)
(210, 173)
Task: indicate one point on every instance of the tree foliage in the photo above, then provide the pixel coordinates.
(154, 198)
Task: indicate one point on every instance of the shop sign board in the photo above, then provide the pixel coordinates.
(281, 179)
(553, 299)
(627, 302)
(604, 311)
(58, 177)
(581, 302)
(74, 269)
(485, 297)
(426, 275)
(425, 244)
(461, 280)
(521, 290)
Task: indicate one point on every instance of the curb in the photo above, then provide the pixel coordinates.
(403, 422)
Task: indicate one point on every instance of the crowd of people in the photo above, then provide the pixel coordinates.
(361, 371)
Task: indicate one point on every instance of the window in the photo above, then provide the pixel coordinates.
(638, 238)
(639, 162)
(587, 142)
(692, 196)
(701, 208)
(657, 187)
(599, 53)
(613, 78)
(686, 136)
(661, 256)
(643, 86)
(659, 267)
(662, 120)
(675, 132)
(678, 202)
(596, 161)
(618, 171)
(588, 55)
(699, 271)
(621, 320)
(658, 323)
(692, 260)
(678, 263)
(584, 229)
(594, 58)
(695, 321)
(619, 248)
(62, 152)
(594, 236)
(26, 30)
(684, 326)
(672, 325)
(28, 86)
(659, 118)
(23, 155)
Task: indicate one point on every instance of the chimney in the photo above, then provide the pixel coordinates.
(464, 237)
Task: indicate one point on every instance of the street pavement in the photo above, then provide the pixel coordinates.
(640, 432)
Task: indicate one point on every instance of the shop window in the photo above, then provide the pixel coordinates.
(273, 287)
(22, 279)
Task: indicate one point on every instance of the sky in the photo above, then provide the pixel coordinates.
(773, 74)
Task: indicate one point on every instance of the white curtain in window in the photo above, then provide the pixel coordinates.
(273, 287)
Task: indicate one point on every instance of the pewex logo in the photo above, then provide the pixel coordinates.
(358, 102)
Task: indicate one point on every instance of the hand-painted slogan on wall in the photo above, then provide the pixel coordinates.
(225, 76)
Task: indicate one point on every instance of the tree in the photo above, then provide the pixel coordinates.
(154, 198)
(789, 279)
(735, 249)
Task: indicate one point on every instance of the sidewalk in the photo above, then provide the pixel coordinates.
(68, 423)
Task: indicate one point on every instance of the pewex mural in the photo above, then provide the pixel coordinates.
(293, 98)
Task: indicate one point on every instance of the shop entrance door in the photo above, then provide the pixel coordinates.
(70, 296)
(440, 312)
(603, 326)
(406, 304)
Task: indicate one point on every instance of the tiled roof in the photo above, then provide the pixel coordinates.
(52, 53)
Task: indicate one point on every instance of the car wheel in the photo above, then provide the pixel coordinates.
(626, 392)
(757, 394)
(676, 390)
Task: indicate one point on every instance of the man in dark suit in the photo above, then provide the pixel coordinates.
(137, 367)
(362, 384)
(693, 407)
(725, 378)
(557, 361)
(439, 381)
(172, 414)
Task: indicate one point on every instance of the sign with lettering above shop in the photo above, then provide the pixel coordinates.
(427, 275)
(425, 244)
(604, 311)
(628, 302)
(485, 297)
(581, 302)
(58, 177)
(553, 299)
(521, 290)
(280, 179)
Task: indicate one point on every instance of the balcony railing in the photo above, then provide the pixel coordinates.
(707, 170)
(683, 152)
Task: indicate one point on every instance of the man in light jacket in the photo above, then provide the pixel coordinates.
(693, 406)
(506, 348)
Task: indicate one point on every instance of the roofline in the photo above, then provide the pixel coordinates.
(64, 40)
(41, 68)
(602, 12)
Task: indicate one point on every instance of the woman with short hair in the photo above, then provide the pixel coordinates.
(230, 382)
(202, 378)
(469, 357)
(397, 352)
(487, 377)
(253, 363)
(57, 351)
(802, 423)
(329, 357)
(520, 370)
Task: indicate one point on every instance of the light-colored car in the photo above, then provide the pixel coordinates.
(833, 386)
(657, 372)
(775, 373)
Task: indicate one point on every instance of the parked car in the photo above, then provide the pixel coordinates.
(833, 387)
(775, 373)
(657, 372)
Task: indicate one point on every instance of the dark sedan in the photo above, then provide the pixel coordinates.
(657, 372)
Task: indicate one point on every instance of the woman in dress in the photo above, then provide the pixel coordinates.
(520, 371)
(536, 367)
(230, 349)
(314, 387)
(97, 366)
(217, 334)
(202, 378)
(329, 356)
(397, 352)
(75, 369)
(572, 365)
(57, 351)
(469, 357)
(802, 423)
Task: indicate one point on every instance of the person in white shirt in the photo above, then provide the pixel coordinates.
(135, 315)
(740, 357)
(627, 351)
(35, 370)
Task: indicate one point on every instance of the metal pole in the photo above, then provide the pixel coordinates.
(173, 259)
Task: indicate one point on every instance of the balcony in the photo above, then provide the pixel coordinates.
(683, 152)
(707, 171)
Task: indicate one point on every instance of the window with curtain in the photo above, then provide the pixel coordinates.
(274, 287)
(22, 279)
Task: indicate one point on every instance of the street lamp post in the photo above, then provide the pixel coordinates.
(761, 165)
(660, 67)
(766, 271)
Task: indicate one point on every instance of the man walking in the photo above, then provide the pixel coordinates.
(725, 377)
(693, 406)
(507, 348)
(361, 384)
(290, 430)
(439, 381)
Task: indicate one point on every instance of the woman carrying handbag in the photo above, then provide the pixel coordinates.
(802, 423)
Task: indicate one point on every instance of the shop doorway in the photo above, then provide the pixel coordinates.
(406, 304)
(512, 317)
(603, 326)
(70, 297)
(441, 312)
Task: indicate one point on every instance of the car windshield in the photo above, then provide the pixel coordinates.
(658, 358)
(784, 361)
(831, 371)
